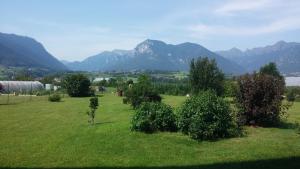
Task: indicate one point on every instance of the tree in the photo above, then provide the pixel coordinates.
(77, 85)
(93, 106)
(270, 69)
(205, 75)
(259, 99)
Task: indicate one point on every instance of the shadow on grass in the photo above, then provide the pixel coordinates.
(100, 123)
(282, 163)
(288, 125)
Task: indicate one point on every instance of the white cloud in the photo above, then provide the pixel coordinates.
(273, 27)
(241, 6)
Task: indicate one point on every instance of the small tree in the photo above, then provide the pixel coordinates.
(77, 85)
(93, 107)
(205, 75)
(259, 98)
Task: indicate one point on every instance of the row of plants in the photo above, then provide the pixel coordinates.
(206, 115)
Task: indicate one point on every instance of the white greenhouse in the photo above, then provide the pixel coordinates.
(20, 86)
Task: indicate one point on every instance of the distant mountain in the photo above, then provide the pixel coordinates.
(21, 51)
(285, 54)
(153, 55)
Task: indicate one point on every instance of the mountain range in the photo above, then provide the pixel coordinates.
(21, 51)
(153, 55)
(286, 55)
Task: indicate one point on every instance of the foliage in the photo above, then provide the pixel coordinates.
(175, 89)
(54, 98)
(142, 91)
(77, 85)
(292, 93)
(259, 99)
(151, 117)
(205, 75)
(271, 69)
(206, 117)
(290, 96)
(229, 88)
(93, 107)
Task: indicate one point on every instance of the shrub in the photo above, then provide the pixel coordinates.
(141, 92)
(259, 99)
(229, 88)
(151, 117)
(125, 100)
(54, 98)
(77, 85)
(206, 117)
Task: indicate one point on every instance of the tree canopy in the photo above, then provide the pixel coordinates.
(205, 75)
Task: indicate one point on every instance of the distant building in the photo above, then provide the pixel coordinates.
(51, 87)
(98, 79)
(20, 86)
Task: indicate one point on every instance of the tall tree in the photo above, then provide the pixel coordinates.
(205, 75)
(271, 69)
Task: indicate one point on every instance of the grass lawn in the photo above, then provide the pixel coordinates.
(42, 134)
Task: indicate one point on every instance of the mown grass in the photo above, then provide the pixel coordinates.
(39, 133)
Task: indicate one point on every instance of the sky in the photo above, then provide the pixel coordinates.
(76, 29)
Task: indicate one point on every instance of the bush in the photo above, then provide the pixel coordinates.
(77, 85)
(151, 117)
(259, 99)
(229, 88)
(206, 117)
(54, 98)
(141, 92)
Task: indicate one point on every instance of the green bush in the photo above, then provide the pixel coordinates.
(207, 117)
(151, 117)
(54, 98)
(140, 92)
(77, 85)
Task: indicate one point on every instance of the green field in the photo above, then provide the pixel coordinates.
(42, 134)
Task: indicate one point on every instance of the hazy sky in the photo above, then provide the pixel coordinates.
(76, 29)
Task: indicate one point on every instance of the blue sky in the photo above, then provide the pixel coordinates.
(75, 29)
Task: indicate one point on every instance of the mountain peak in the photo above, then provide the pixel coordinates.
(281, 42)
(234, 49)
(148, 45)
